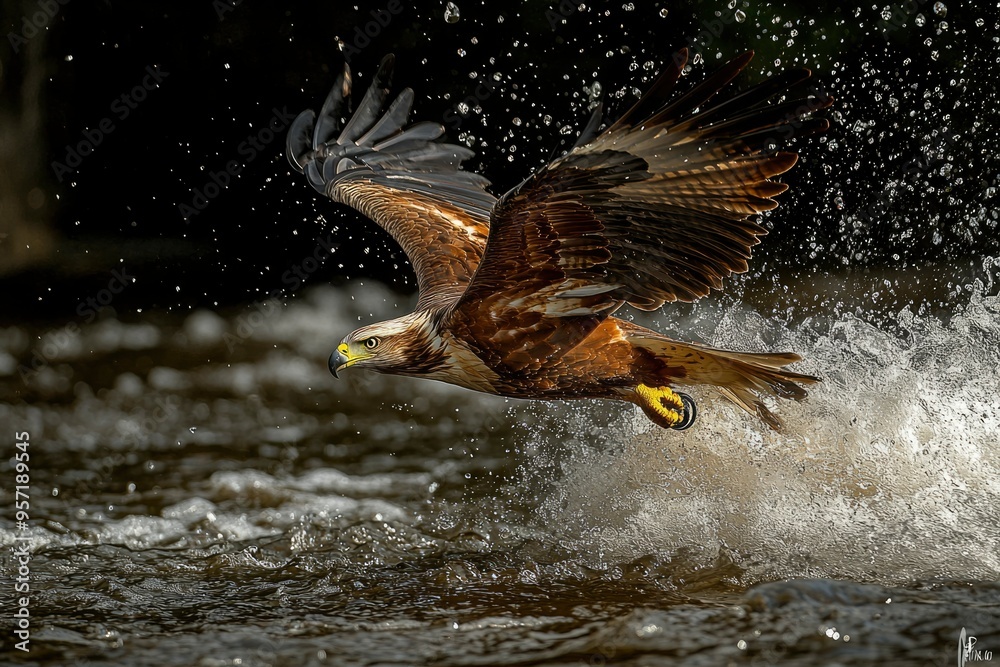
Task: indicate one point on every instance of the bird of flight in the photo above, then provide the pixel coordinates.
(517, 294)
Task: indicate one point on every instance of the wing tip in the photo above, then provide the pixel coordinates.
(782, 161)
(742, 60)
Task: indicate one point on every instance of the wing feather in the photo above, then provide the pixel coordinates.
(334, 106)
(401, 177)
(656, 208)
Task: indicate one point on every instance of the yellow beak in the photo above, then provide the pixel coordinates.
(342, 358)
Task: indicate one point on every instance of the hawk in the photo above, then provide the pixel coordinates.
(517, 294)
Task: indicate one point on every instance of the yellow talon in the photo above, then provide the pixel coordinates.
(665, 407)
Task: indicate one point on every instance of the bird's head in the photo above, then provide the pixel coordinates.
(398, 346)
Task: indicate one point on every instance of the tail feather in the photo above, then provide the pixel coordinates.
(742, 377)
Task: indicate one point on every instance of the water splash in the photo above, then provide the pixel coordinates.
(889, 472)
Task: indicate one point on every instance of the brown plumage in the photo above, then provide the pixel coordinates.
(517, 294)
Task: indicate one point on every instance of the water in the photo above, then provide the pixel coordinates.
(203, 492)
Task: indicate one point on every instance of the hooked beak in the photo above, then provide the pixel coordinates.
(340, 359)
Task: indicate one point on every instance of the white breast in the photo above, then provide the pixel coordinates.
(464, 368)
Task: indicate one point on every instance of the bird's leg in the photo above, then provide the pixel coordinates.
(666, 407)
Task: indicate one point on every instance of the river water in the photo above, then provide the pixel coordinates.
(200, 490)
(203, 492)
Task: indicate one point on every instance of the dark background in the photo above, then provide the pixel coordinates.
(907, 176)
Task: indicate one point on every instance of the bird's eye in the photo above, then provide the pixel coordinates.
(372, 343)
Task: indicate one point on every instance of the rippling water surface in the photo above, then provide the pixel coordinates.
(203, 492)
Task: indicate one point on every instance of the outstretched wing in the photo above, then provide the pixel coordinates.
(656, 208)
(404, 179)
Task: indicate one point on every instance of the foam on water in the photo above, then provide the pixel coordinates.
(889, 472)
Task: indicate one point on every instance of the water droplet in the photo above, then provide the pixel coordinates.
(663, 13)
(940, 9)
(451, 13)
(920, 20)
(740, 16)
